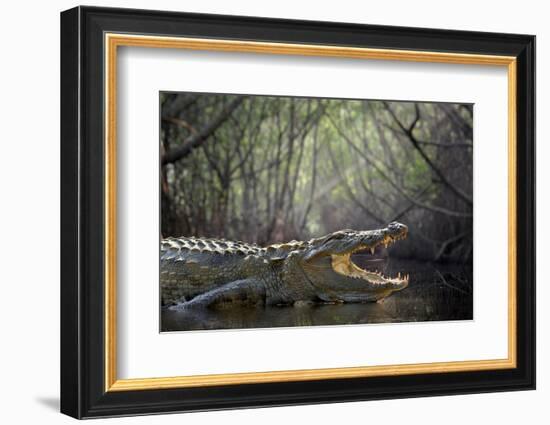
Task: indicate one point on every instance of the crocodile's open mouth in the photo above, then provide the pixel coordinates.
(369, 259)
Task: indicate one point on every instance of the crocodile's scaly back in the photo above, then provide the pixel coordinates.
(191, 266)
(171, 247)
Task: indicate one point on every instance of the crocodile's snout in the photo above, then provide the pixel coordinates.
(397, 230)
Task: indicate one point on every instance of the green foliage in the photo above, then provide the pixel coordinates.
(279, 168)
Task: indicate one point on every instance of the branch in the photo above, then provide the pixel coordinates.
(179, 104)
(350, 193)
(422, 142)
(197, 139)
(446, 243)
(409, 133)
(447, 284)
(409, 207)
(180, 123)
(458, 120)
(446, 145)
(372, 163)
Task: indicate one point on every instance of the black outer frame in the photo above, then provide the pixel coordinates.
(82, 212)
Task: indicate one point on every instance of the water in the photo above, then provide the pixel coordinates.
(436, 292)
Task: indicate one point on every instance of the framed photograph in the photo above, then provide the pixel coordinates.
(261, 212)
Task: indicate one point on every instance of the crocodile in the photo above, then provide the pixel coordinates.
(213, 273)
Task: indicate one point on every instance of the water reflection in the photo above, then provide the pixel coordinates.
(435, 292)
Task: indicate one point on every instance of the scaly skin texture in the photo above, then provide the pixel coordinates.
(199, 272)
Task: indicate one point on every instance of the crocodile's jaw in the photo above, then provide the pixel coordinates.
(338, 278)
(343, 265)
(335, 286)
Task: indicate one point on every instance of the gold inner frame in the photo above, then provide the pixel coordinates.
(113, 41)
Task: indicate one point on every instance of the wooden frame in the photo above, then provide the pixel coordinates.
(90, 38)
